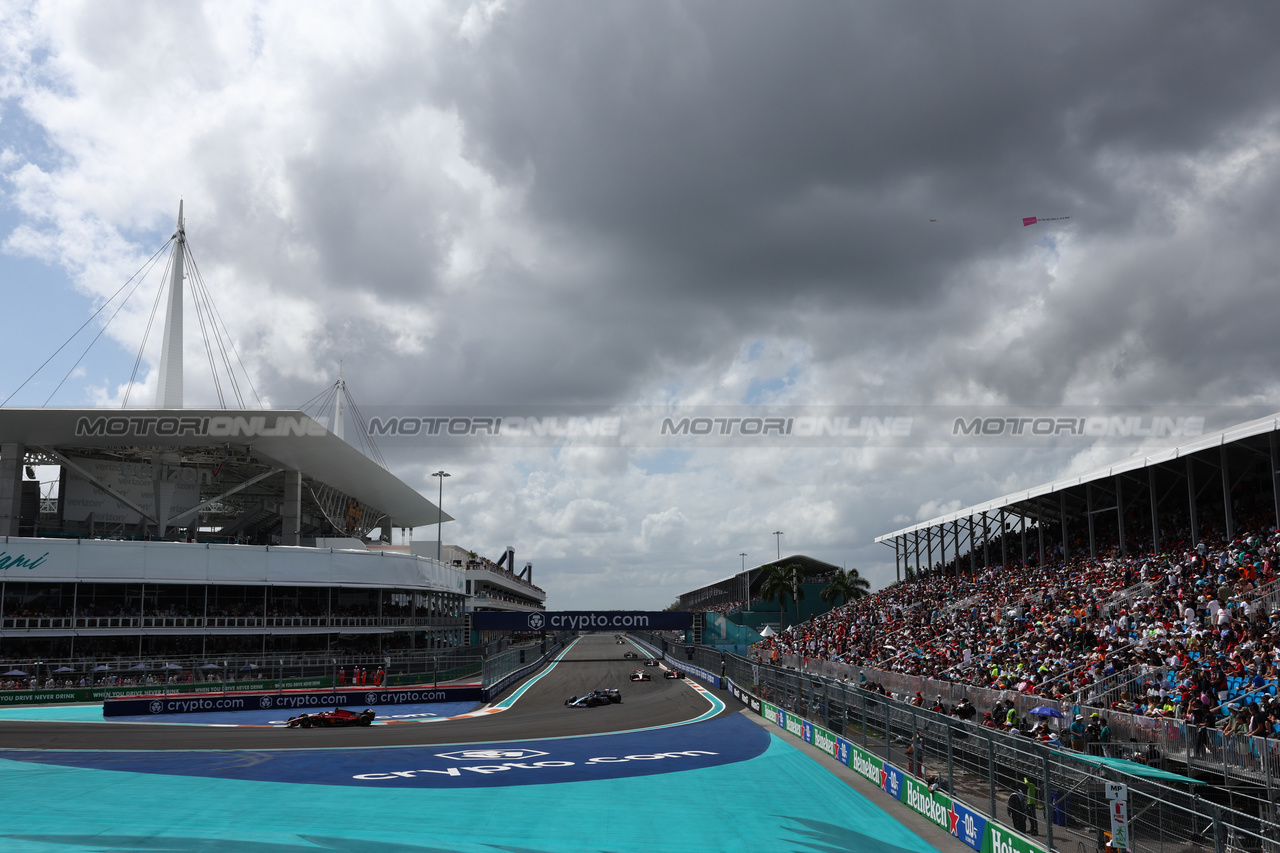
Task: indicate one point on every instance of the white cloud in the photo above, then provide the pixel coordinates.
(612, 207)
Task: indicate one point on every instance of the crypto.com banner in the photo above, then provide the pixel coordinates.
(582, 620)
(801, 426)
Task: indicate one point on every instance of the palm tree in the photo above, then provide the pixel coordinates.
(781, 581)
(847, 585)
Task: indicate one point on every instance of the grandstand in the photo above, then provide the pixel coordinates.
(1153, 503)
(1139, 602)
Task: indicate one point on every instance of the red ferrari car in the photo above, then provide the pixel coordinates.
(337, 718)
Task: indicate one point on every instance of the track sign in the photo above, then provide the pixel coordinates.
(1116, 791)
(1120, 824)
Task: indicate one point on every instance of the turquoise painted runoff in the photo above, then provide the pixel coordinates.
(780, 800)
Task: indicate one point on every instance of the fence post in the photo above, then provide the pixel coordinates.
(912, 752)
(1266, 773)
(991, 771)
(862, 695)
(1048, 810)
(951, 770)
(888, 725)
(1219, 845)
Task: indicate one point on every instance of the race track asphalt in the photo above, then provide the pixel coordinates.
(592, 662)
(676, 766)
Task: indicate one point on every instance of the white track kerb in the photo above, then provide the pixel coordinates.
(511, 700)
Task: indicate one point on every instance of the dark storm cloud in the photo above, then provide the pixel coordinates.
(738, 171)
(739, 143)
(737, 161)
(706, 175)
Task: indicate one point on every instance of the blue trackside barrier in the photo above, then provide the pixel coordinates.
(714, 679)
(195, 703)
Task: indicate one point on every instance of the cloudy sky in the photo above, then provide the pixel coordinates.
(639, 208)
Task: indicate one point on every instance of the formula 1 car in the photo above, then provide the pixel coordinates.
(640, 675)
(631, 656)
(673, 673)
(595, 698)
(337, 718)
(650, 662)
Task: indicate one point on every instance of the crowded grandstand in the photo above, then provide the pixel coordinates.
(1128, 617)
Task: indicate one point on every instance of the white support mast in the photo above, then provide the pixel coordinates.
(169, 387)
(339, 420)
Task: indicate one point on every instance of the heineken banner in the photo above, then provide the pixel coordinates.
(866, 765)
(581, 620)
(919, 798)
(1001, 840)
(946, 812)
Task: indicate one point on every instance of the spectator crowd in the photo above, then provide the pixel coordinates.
(1194, 621)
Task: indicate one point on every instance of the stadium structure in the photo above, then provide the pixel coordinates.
(731, 613)
(741, 591)
(1199, 486)
(197, 531)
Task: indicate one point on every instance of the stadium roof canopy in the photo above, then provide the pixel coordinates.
(1262, 426)
(1240, 459)
(247, 452)
(242, 475)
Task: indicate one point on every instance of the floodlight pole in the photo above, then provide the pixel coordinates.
(778, 538)
(440, 515)
(746, 582)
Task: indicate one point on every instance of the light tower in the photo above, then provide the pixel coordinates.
(440, 514)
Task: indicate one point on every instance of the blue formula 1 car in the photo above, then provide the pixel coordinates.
(595, 698)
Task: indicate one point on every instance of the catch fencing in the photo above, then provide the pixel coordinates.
(500, 667)
(1161, 740)
(94, 679)
(983, 766)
